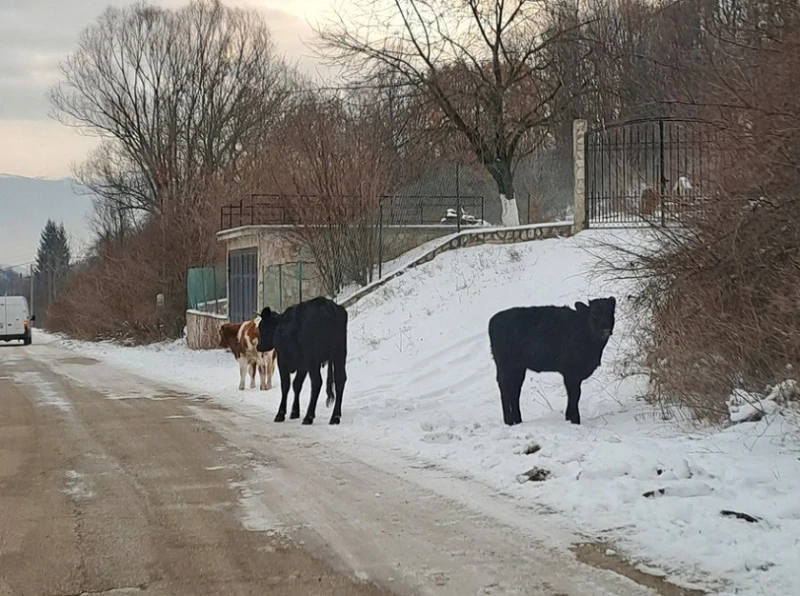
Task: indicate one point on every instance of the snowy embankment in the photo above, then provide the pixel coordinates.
(421, 378)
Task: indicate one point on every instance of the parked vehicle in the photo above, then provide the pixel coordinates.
(15, 320)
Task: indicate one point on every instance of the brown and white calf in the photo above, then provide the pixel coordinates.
(242, 340)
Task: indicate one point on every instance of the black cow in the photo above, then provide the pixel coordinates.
(305, 337)
(549, 339)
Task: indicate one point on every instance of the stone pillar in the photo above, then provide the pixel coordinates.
(579, 172)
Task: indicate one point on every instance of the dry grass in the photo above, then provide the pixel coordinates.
(723, 316)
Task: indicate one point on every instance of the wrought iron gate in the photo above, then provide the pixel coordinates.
(242, 284)
(647, 171)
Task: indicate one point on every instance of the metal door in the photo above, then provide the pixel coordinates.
(242, 284)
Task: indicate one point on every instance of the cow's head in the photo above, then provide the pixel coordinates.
(266, 330)
(600, 313)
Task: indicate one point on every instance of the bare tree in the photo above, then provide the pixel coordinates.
(111, 222)
(175, 96)
(483, 65)
(336, 158)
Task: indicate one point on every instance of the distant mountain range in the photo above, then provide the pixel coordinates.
(25, 206)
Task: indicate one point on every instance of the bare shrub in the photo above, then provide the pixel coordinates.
(723, 291)
(113, 294)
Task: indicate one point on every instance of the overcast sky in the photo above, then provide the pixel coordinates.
(36, 34)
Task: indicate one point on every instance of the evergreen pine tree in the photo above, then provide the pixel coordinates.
(52, 259)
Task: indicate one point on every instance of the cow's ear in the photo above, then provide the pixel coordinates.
(266, 313)
(579, 306)
(613, 300)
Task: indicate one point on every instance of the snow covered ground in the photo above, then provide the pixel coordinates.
(421, 378)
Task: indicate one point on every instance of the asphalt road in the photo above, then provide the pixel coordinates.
(128, 496)
(113, 484)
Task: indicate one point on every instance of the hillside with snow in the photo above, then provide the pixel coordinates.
(421, 380)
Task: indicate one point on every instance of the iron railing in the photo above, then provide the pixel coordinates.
(648, 171)
(255, 209)
(262, 209)
(456, 210)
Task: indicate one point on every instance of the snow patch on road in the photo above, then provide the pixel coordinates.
(48, 394)
(255, 515)
(77, 486)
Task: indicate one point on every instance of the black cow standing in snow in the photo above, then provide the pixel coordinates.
(549, 339)
(306, 336)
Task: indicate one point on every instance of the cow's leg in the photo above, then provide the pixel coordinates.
(262, 372)
(505, 381)
(242, 372)
(573, 386)
(516, 389)
(270, 360)
(252, 365)
(503, 397)
(316, 386)
(286, 383)
(299, 379)
(340, 377)
(510, 381)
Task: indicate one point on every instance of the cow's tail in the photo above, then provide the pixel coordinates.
(339, 355)
(329, 386)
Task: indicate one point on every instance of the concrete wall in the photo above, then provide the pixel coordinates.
(400, 239)
(579, 173)
(276, 245)
(202, 329)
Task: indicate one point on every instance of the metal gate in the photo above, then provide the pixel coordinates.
(647, 172)
(242, 284)
(282, 285)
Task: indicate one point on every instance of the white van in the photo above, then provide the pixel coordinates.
(15, 320)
